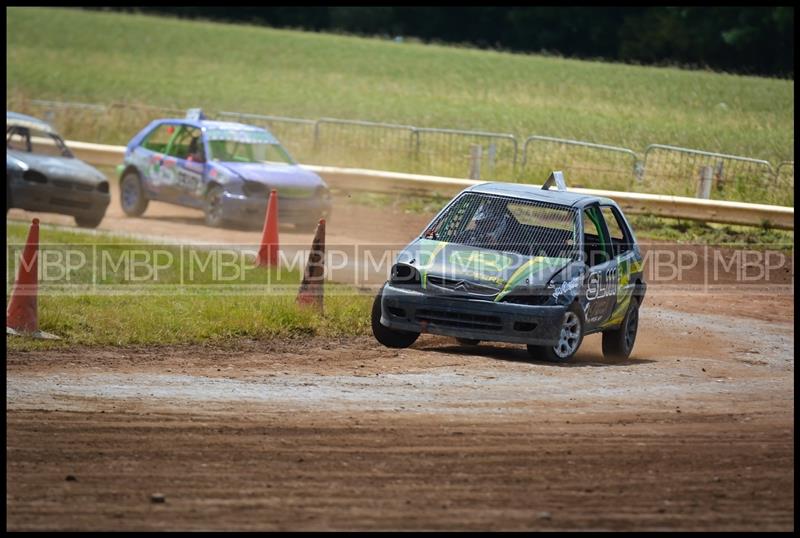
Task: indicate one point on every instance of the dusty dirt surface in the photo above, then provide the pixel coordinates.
(694, 432)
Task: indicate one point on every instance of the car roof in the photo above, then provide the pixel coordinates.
(222, 125)
(214, 124)
(15, 118)
(536, 193)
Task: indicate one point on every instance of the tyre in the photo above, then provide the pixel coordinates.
(468, 341)
(213, 206)
(386, 336)
(90, 221)
(618, 343)
(132, 197)
(570, 338)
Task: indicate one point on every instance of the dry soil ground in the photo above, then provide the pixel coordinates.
(694, 432)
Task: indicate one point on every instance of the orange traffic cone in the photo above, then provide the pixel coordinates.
(311, 289)
(22, 314)
(268, 253)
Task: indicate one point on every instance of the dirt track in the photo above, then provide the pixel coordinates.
(694, 432)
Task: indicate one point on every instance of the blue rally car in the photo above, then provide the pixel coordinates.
(518, 263)
(226, 169)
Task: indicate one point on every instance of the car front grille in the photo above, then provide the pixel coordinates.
(462, 286)
(459, 319)
(531, 300)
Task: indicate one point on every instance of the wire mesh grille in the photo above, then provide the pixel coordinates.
(530, 228)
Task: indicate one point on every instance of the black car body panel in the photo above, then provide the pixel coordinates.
(42, 174)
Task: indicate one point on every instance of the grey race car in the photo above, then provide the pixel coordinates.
(517, 263)
(43, 175)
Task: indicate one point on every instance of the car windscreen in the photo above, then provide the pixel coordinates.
(32, 140)
(230, 145)
(530, 228)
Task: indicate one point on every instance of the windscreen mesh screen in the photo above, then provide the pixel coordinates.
(529, 228)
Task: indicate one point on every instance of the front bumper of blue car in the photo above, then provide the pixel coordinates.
(251, 210)
(414, 310)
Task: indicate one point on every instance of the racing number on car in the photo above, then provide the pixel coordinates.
(602, 284)
(187, 180)
(601, 293)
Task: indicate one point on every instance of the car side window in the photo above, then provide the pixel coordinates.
(18, 139)
(620, 239)
(159, 138)
(594, 240)
(185, 142)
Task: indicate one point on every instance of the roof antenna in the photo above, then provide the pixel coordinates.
(557, 178)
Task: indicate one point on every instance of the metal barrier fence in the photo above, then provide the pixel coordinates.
(115, 123)
(459, 153)
(585, 164)
(470, 154)
(364, 144)
(784, 173)
(678, 171)
(294, 133)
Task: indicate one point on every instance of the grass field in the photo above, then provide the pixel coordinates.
(90, 306)
(68, 54)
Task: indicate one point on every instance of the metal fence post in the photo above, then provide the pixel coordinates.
(491, 153)
(704, 185)
(475, 151)
(719, 178)
(316, 136)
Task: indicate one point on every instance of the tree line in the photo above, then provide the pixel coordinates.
(746, 40)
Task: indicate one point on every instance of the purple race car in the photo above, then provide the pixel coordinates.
(226, 169)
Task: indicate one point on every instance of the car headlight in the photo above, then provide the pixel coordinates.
(255, 188)
(404, 275)
(528, 295)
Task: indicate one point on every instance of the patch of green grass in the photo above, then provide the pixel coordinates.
(688, 231)
(69, 54)
(420, 205)
(88, 307)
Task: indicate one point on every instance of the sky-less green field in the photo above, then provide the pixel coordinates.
(68, 54)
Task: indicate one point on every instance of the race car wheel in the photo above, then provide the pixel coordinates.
(570, 338)
(132, 196)
(90, 221)
(386, 336)
(213, 207)
(618, 343)
(468, 341)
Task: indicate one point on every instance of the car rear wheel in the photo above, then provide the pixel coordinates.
(618, 343)
(132, 196)
(90, 221)
(386, 336)
(213, 206)
(570, 338)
